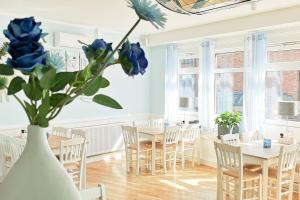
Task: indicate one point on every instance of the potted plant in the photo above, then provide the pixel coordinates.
(228, 123)
(46, 90)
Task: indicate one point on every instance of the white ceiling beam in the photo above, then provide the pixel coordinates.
(263, 21)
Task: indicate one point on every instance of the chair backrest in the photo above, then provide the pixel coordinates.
(157, 123)
(232, 139)
(130, 135)
(171, 135)
(72, 150)
(60, 131)
(142, 124)
(10, 151)
(190, 133)
(78, 133)
(288, 159)
(229, 157)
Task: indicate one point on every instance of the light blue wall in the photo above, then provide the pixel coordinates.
(132, 93)
(157, 88)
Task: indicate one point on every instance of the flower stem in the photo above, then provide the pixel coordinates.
(80, 90)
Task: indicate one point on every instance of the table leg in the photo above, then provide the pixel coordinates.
(219, 186)
(84, 173)
(153, 155)
(265, 176)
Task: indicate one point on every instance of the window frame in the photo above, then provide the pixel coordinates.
(187, 71)
(281, 67)
(225, 70)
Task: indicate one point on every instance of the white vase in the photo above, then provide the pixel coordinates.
(38, 175)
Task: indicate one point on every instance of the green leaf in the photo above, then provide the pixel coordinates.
(3, 82)
(42, 121)
(6, 70)
(15, 85)
(44, 107)
(30, 109)
(48, 79)
(99, 82)
(62, 79)
(30, 93)
(57, 98)
(106, 101)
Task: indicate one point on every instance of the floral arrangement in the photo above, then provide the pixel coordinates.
(46, 87)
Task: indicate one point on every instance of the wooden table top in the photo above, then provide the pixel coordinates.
(54, 141)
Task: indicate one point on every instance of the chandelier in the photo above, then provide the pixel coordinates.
(201, 6)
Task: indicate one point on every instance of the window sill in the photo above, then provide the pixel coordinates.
(295, 124)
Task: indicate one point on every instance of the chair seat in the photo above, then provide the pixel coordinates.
(144, 146)
(252, 167)
(273, 173)
(160, 145)
(248, 175)
(72, 166)
(297, 168)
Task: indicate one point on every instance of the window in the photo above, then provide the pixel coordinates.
(229, 81)
(188, 83)
(282, 80)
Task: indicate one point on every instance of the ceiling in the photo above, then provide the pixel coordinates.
(115, 15)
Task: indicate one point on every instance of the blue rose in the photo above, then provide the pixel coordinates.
(97, 47)
(26, 57)
(25, 30)
(24, 48)
(132, 58)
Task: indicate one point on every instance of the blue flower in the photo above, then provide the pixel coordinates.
(97, 48)
(25, 30)
(26, 57)
(132, 58)
(25, 51)
(148, 12)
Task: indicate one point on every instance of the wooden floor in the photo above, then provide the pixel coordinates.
(188, 184)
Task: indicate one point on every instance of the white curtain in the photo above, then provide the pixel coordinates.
(171, 83)
(254, 82)
(206, 84)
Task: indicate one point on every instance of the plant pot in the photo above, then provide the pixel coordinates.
(38, 175)
(223, 130)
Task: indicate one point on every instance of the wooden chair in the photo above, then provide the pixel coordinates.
(10, 151)
(142, 124)
(61, 132)
(141, 150)
(157, 123)
(235, 182)
(188, 140)
(232, 139)
(281, 177)
(72, 155)
(98, 193)
(168, 147)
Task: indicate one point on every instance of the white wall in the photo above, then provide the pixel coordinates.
(132, 93)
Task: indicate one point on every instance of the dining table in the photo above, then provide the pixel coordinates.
(154, 134)
(255, 153)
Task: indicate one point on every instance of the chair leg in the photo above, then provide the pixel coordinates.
(182, 155)
(193, 156)
(127, 160)
(164, 161)
(174, 161)
(137, 162)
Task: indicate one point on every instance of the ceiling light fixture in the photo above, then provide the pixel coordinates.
(201, 7)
